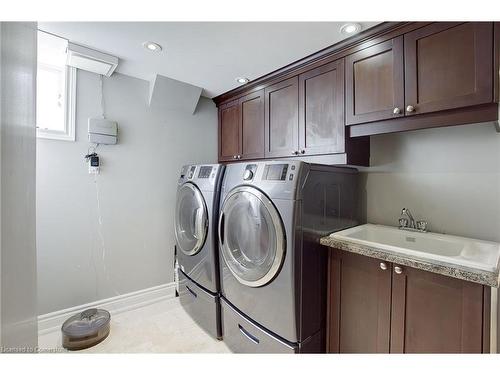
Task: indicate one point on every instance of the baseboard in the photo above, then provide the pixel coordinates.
(115, 305)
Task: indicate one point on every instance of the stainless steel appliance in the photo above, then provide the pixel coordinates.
(196, 216)
(273, 269)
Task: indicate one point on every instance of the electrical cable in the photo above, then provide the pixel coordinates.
(102, 96)
(91, 151)
(101, 237)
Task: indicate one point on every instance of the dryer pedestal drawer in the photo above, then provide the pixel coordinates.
(243, 336)
(202, 306)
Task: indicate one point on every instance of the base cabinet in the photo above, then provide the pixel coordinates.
(382, 307)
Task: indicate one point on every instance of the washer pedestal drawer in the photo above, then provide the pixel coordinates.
(201, 305)
(242, 336)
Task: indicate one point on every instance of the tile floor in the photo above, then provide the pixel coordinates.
(163, 327)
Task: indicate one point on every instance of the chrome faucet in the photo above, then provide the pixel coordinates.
(408, 222)
(406, 211)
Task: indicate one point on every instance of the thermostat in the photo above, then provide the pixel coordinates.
(93, 164)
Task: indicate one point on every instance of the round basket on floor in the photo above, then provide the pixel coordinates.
(85, 329)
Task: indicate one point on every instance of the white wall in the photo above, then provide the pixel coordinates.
(448, 176)
(136, 190)
(18, 325)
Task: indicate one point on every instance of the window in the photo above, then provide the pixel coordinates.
(56, 90)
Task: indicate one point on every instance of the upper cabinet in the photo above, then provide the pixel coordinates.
(305, 114)
(395, 77)
(448, 65)
(252, 125)
(229, 131)
(321, 110)
(241, 128)
(438, 67)
(374, 83)
(282, 118)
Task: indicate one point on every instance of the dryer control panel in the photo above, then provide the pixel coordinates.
(191, 172)
(278, 179)
(250, 171)
(275, 172)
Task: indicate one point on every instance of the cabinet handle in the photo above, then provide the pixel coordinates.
(398, 270)
(410, 109)
(239, 157)
(383, 266)
(396, 111)
(302, 151)
(295, 152)
(235, 156)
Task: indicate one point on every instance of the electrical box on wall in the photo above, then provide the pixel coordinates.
(102, 131)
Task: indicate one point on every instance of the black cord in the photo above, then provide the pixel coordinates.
(88, 156)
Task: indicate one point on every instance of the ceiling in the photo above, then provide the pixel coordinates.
(206, 54)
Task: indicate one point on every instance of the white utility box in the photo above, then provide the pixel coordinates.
(103, 131)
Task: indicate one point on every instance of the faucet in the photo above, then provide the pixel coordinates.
(406, 211)
(409, 223)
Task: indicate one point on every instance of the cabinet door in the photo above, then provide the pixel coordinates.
(321, 110)
(374, 83)
(282, 119)
(448, 65)
(252, 125)
(229, 131)
(433, 313)
(360, 300)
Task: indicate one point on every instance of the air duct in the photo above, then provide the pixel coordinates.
(90, 60)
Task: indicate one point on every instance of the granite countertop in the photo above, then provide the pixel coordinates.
(460, 272)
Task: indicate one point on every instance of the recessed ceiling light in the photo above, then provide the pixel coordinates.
(350, 28)
(151, 46)
(242, 80)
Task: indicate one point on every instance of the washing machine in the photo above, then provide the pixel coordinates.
(196, 215)
(273, 269)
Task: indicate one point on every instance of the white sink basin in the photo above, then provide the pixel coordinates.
(475, 254)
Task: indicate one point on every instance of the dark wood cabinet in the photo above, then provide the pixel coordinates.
(433, 313)
(360, 304)
(321, 110)
(394, 77)
(282, 118)
(380, 307)
(252, 125)
(241, 128)
(374, 83)
(229, 131)
(438, 67)
(448, 65)
(304, 115)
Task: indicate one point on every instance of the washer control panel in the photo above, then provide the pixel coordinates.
(204, 176)
(205, 171)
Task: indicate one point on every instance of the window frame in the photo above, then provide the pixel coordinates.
(69, 133)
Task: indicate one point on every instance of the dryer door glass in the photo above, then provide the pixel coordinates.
(191, 219)
(252, 236)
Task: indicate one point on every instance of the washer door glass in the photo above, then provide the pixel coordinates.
(191, 219)
(252, 236)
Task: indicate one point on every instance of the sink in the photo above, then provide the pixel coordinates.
(462, 251)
